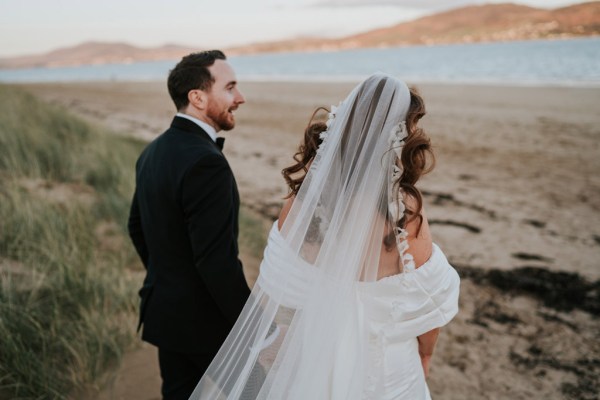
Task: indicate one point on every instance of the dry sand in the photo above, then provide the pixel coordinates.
(514, 202)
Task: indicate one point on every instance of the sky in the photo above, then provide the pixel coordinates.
(38, 26)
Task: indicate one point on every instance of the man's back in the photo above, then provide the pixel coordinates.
(188, 208)
(184, 225)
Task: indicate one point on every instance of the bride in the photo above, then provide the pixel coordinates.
(351, 292)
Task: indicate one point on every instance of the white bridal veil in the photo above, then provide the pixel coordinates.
(302, 334)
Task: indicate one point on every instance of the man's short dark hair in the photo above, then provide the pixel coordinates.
(192, 73)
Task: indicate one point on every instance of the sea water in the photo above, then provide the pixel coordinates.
(539, 62)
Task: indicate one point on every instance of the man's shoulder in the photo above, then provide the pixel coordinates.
(180, 140)
(193, 150)
(183, 149)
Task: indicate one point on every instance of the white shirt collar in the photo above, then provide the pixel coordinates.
(207, 128)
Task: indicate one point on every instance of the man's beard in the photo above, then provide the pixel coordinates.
(224, 120)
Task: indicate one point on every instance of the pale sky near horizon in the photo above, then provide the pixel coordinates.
(37, 26)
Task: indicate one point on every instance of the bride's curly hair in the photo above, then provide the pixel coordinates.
(417, 158)
(305, 154)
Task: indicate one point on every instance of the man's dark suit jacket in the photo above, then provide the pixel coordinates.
(184, 225)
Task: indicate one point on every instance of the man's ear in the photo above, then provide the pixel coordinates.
(198, 98)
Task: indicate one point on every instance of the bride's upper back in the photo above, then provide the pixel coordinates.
(419, 242)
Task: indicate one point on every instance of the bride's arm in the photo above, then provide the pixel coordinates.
(420, 246)
(427, 343)
(285, 211)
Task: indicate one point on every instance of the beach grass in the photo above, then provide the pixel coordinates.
(69, 275)
(68, 289)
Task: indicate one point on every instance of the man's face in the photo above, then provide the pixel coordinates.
(224, 97)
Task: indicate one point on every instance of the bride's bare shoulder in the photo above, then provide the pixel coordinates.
(285, 210)
(419, 236)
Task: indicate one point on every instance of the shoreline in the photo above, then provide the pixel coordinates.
(233, 53)
(565, 63)
(324, 79)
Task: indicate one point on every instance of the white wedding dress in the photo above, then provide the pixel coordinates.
(387, 314)
(319, 324)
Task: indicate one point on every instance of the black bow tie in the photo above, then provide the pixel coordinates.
(220, 141)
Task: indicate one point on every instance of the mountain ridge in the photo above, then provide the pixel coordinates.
(470, 24)
(97, 53)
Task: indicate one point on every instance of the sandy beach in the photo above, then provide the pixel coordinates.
(514, 202)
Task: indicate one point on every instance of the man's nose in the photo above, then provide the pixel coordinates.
(240, 99)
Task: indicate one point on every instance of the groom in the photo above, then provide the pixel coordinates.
(184, 225)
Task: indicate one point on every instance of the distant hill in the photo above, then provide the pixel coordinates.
(95, 53)
(484, 23)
